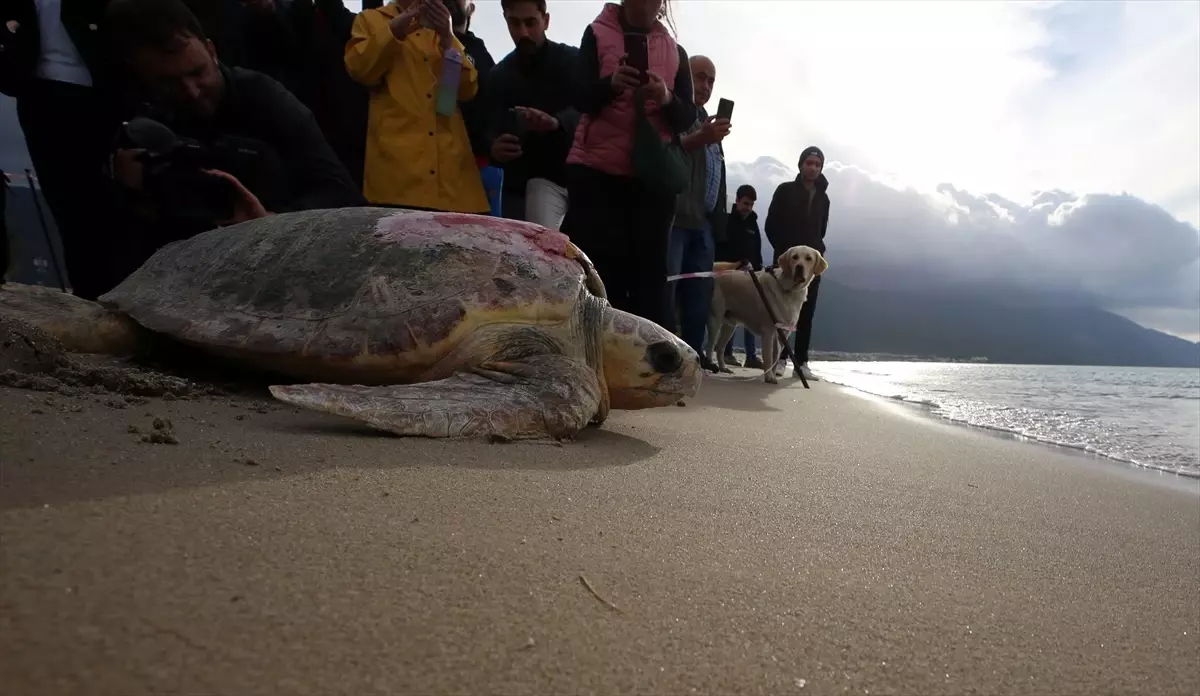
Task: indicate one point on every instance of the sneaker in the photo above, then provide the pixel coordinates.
(802, 369)
(780, 367)
(754, 363)
(730, 360)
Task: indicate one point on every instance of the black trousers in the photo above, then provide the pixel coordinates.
(68, 131)
(805, 322)
(624, 231)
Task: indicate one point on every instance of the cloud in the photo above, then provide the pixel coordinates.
(1117, 251)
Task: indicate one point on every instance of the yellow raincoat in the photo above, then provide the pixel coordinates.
(414, 156)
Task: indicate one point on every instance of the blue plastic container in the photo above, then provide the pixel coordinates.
(493, 184)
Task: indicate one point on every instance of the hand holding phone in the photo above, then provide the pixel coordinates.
(626, 77)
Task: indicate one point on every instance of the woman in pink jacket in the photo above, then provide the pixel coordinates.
(619, 222)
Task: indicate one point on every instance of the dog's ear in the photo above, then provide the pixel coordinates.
(785, 262)
(820, 265)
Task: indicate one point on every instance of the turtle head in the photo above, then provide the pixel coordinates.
(645, 365)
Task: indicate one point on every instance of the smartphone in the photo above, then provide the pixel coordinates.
(637, 54)
(725, 109)
(517, 125)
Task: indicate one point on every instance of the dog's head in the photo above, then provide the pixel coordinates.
(801, 264)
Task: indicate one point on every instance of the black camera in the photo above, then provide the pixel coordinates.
(173, 175)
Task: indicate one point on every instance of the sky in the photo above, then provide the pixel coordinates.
(1068, 129)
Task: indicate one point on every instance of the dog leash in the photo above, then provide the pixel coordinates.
(787, 352)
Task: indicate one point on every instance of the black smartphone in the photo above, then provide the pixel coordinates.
(637, 54)
(725, 109)
(516, 123)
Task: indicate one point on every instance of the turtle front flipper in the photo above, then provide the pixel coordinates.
(541, 396)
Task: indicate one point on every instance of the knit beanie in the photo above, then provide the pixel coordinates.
(811, 150)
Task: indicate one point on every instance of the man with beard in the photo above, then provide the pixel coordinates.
(474, 115)
(531, 121)
(799, 214)
(257, 150)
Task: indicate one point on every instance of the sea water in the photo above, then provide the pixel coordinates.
(1149, 417)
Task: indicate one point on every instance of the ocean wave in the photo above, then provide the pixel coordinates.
(976, 415)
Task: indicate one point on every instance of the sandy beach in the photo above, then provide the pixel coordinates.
(759, 541)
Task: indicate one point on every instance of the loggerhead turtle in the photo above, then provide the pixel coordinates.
(417, 323)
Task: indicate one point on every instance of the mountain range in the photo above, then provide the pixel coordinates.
(872, 303)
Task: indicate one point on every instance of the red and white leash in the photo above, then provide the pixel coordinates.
(713, 274)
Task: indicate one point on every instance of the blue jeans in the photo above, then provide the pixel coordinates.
(691, 251)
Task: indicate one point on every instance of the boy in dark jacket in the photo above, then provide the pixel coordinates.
(742, 243)
(799, 214)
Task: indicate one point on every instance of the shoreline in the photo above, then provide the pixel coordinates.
(930, 411)
(923, 414)
(758, 539)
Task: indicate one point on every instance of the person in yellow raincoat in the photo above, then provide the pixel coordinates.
(415, 157)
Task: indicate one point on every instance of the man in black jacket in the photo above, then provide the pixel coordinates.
(742, 242)
(799, 214)
(53, 62)
(534, 85)
(274, 157)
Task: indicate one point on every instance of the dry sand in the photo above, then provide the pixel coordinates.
(760, 541)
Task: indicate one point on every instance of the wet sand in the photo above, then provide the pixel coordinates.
(759, 541)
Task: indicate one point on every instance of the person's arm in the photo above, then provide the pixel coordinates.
(468, 81)
(490, 104)
(825, 218)
(681, 110)
(320, 179)
(592, 92)
(754, 246)
(773, 225)
(568, 117)
(371, 49)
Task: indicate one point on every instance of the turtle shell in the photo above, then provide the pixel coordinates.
(369, 294)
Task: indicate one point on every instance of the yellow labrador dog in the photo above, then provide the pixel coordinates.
(735, 301)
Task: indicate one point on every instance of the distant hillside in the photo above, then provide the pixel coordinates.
(960, 324)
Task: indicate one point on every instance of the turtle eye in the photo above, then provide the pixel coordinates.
(664, 357)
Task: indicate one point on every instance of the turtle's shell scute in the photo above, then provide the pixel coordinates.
(355, 285)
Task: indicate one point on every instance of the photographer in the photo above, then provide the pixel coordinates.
(222, 145)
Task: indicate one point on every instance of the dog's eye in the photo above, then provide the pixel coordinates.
(808, 258)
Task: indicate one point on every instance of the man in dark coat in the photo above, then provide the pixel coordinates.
(799, 214)
(536, 81)
(55, 64)
(742, 242)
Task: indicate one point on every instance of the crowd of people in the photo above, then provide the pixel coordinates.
(150, 121)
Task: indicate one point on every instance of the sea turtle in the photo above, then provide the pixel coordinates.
(419, 323)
